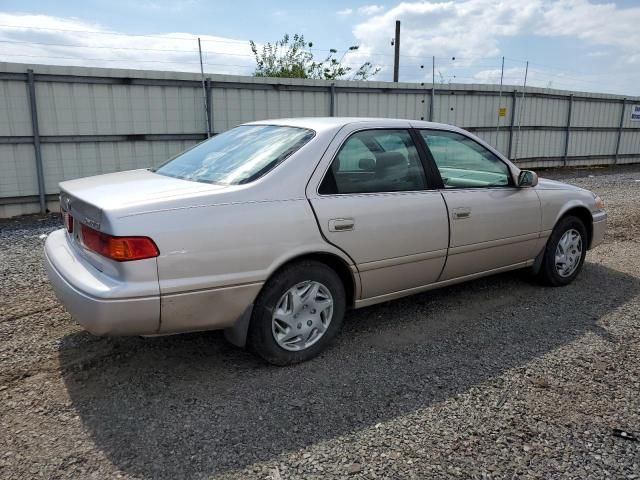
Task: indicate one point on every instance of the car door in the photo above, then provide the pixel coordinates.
(493, 222)
(373, 200)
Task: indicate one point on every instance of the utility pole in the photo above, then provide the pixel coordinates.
(433, 88)
(204, 92)
(396, 56)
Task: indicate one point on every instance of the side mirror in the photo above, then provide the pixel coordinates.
(527, 178)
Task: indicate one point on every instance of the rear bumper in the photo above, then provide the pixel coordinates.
(599, 228)
(88, 295)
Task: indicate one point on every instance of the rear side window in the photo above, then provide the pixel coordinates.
(237, 156)
(375, 161)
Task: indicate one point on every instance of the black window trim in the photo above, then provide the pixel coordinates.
(434, 165)
(428, 163)
(432, 183)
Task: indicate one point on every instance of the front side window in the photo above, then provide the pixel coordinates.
(237, 156)
(464, 163)
(375, 161)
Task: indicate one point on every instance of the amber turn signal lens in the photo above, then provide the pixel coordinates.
(120, 249)
(599, 203)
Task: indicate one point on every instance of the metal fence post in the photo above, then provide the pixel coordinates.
(568, 131)
(513, 121)
(209, 108)
(332, 100)
(624, 106)
(31, 88)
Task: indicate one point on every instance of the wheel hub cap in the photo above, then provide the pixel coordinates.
(302, 316)
(568, 253)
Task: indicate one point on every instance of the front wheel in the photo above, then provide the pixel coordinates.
(297, 314)
(565, 252)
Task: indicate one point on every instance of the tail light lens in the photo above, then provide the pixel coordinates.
(120, 249)
(68, 221)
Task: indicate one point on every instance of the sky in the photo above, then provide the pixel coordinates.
(583, 45)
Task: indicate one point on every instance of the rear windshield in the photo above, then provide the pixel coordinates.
(238, 156)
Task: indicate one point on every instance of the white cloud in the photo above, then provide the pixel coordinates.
(370, 9)
(345, 12)
(469, 28)
(472, 31)
(598, 24)
(70, 41)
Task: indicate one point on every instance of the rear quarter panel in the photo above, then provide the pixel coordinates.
(224, 245)
(214, 259)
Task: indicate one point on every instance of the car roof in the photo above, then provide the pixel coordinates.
(328, 123)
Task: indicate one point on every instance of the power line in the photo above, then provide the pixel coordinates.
(194, 39)
(243, 42)
(99, 32)
(95, 46)
(122, 60)
(447, 64)
(163, 37)
(124, 48)
(140, 49)
(184, 62)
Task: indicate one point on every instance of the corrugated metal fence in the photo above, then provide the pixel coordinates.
(58, 123)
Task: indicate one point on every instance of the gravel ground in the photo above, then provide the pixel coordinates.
(497, 378)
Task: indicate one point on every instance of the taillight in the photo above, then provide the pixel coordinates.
(68, 221)
(121, 249)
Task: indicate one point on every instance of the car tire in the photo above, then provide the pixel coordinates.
(291, 321)
(560, 267)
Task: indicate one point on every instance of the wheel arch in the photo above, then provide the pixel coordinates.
(237, 334)
(350, 279)
(576, 210)
(584, 214)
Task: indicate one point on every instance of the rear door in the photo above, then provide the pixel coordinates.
(494, 223)
(373, 200)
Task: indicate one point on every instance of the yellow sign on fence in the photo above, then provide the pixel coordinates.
(502, 111)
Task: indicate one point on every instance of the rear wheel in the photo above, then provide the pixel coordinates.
(565, 252)
(297, 314)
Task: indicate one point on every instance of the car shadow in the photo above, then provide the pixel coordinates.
(193, 406)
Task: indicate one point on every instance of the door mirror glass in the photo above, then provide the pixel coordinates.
(527, 178)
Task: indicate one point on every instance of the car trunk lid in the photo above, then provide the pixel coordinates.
(128, 191)
(98, 201)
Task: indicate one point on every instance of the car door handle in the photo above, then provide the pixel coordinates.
(341, 224)
(462, 212)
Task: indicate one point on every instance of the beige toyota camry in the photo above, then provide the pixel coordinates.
(273, 229)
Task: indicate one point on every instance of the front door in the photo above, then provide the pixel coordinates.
(494, 223)
(374, 202)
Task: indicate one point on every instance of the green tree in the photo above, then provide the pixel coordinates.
(291, 58)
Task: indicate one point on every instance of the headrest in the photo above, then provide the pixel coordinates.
(388, 160)
(367, 164)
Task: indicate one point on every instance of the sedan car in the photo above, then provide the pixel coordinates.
(273, 229)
